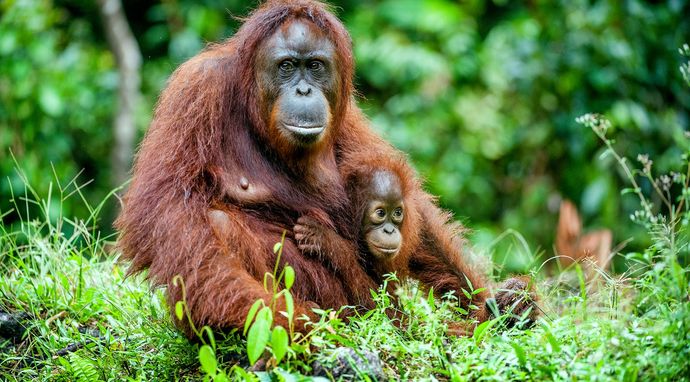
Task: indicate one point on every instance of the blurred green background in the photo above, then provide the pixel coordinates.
(483, 96)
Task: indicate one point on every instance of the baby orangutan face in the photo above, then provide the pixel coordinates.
(383, 216)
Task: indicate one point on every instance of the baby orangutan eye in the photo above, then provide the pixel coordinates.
(380, 212)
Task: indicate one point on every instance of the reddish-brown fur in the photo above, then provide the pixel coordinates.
(208, 130)
(357, 173)
(437, 259)
(184, 215)
(515, 295)
(431, 248)
(346, 253)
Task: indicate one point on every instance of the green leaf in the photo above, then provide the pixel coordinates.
(239, 373)
(258, 335)
(8, 42)
(289, 305)
(251, 314)
(263, 376)
(279, 342)
(289, 276)
(631, 373)
(469, 283)
(492, 306)
(277, 246)
(50, 101)
(179, 310)
(477, 291)
(583, 285)
(208, 360)
(299, 349)
(286, 376)
(266, 315)
(519, 353)
(481, 330)
(209, 334)
(555, 346)
(221, 377)
(430, 299)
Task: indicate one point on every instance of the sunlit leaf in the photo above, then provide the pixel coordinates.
(555, 346)
(250, 315)
(519, 353)
(289, 305)
(207, 358)
(279, 342)
(289, 276)
(481, 330)
(179, 310)
(258, 335)
(50, 101)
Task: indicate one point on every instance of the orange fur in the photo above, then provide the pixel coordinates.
(180, 218)
(431, 248)
(184, 214)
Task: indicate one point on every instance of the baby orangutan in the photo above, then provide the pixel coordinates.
(383, 228)
(383, 216)
(380, 227)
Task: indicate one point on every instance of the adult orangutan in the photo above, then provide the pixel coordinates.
(247, 137)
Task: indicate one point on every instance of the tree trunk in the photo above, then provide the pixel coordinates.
(126, 50)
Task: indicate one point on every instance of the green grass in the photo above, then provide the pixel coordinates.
(61, 272)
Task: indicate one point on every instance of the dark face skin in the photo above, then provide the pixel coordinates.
(383, 216)
(297, 81)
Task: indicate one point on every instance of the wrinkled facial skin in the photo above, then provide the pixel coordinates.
(297, 80)
(383, 216)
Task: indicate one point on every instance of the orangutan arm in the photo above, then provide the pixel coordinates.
(316, 239)
(438, 264)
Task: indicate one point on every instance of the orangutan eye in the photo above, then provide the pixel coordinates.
(380, 212)
(315, 65)
(398, 213)
(286, 65)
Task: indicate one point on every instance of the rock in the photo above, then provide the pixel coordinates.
(11, 327)
(347, 365)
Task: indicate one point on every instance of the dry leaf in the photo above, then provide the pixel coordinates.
(573, 246)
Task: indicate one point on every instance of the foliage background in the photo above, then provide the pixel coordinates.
(481, 94)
